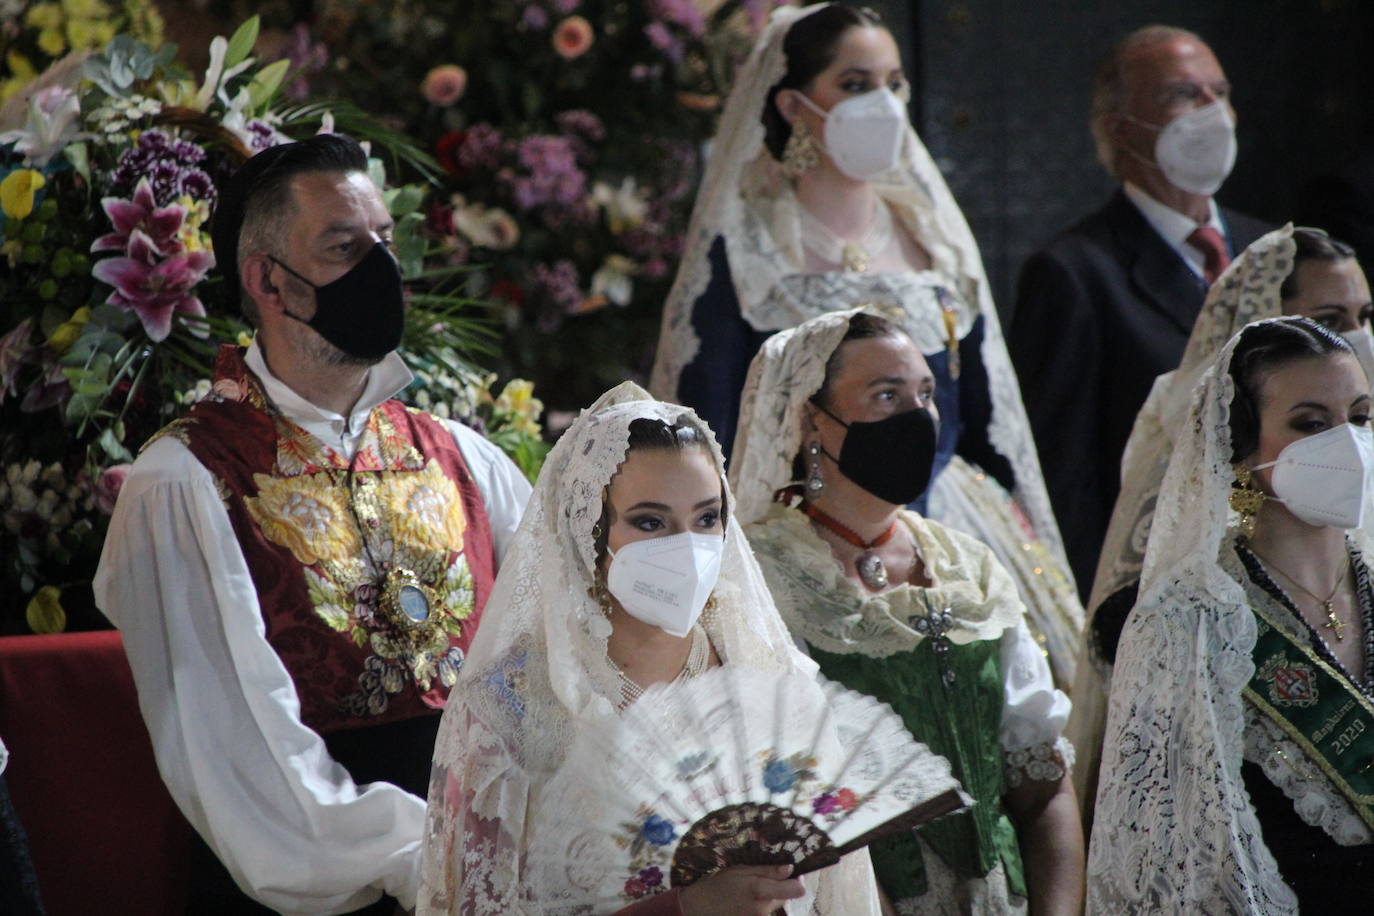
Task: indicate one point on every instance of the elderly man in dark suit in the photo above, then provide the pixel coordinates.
(1109, 303)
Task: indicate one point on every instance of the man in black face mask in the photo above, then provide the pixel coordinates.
(299, 565)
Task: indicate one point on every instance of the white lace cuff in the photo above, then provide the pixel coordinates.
(1048, 762)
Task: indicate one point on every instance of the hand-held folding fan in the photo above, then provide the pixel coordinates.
(735, 767)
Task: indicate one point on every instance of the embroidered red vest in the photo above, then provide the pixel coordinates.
(371, 574)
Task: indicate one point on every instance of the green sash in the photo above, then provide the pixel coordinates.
(1318, 708)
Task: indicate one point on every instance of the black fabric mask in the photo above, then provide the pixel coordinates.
(363, 312)
(890, 458)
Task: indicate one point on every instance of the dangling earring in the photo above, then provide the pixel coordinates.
(815, 483)
(1246, 500)
(801, 154)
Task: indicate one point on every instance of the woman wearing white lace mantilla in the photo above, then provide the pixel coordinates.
(1289, 271)
(565, 649)
(906, 610)
(1236, 770)
(819, 196)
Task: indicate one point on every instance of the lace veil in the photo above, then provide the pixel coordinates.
(1174, 828)
(745, 201)
(1248, 291)
(789, 369)
(538, 672)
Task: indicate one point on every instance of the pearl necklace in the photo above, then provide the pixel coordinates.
(856, 255)
(697, 658)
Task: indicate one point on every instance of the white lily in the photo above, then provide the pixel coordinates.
(613, 280)
(625, 206)
(52, 124)
(215, 74)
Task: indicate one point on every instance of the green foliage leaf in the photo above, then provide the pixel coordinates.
(110, 444)
(266, 82)
(404, 200)
(76, 155)
(410, 247)
(244, 37)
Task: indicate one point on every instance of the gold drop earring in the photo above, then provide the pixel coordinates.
(1246, 499)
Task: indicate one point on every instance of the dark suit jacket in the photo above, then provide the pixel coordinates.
(1100, 312)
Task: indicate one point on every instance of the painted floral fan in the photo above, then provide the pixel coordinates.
(732, 768)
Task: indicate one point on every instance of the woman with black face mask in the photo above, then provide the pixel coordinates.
(837, 436)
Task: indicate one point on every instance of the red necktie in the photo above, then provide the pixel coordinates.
(1207, 240)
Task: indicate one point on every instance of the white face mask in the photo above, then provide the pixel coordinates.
(1197, 149)
(666, 581)
(864, 134)
(1362, 342)
(1324, 479)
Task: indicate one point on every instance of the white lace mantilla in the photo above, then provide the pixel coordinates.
(537, 676)
(1175, 830)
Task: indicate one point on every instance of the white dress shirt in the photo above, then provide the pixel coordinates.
(287, 821)
(1173, 226)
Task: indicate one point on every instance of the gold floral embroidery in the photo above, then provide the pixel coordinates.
(307, 515)
(427, 508)
(298, 452)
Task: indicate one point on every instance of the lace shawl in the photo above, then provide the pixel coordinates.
(537, 673)
(745, 201)
(1174, 828)
(1246, 292)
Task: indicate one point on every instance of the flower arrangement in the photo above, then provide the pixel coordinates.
(109, 313)
(569, 133)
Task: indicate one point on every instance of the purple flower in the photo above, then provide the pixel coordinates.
(558, 287)
(682, 13)
(535, 18)
(154, 287)
(168, 164)
(566, 6)
(824, 803)
(651, 876)
(552, 175)
(583, 122)
(481, 148)
(661, 37)
(306, 56)
(141, 213)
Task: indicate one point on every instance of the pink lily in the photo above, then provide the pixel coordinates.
(154, 288)
(159, 225)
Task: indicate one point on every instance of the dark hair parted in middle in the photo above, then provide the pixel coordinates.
(1312, 245)
(1263, 348)
(651, 434)
(810, 46)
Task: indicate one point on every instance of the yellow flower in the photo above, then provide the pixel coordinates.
(244, 339)
(44, 613)
(43, 16)
(67, 332)
(518, 398)
(17, 190)
(23, 71)
(308, 515)
(51, 42)
(427, 507)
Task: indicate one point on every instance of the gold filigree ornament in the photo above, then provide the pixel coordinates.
(801, 154)
(1246, 500)
(408, 604)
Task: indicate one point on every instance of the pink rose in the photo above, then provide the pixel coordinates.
(107, 489)
(444, 85)
(573, 37)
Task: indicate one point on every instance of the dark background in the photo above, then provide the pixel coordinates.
(1001, 92)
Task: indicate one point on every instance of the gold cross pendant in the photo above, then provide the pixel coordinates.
(1334, 623)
